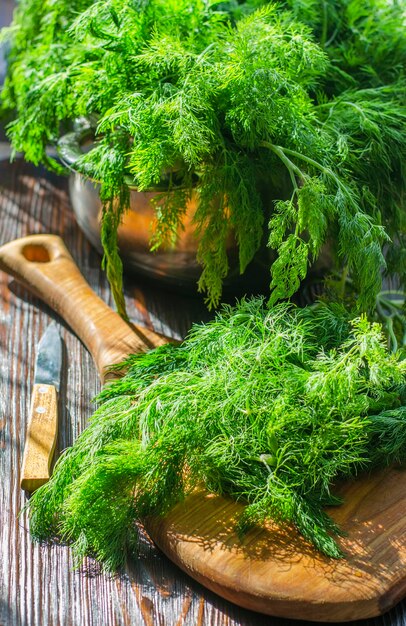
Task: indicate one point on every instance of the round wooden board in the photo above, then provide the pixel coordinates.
(275, 571)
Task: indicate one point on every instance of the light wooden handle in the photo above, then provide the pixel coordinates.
(41, 437)
(43, 264)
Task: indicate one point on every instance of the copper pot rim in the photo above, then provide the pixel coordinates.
(70, 150)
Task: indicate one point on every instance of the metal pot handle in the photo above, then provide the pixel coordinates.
(69, 147)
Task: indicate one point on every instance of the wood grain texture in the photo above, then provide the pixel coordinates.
(252, 571)
(37, 583)
(40, 440)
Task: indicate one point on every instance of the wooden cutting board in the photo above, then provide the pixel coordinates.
(270, 570)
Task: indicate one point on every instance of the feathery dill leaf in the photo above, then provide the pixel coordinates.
(270, 406)
(300, 98)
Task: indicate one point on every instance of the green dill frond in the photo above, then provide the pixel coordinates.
(270, 406)
(297, 102)
(388, 436)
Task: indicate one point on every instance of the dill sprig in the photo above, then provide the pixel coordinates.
(286, 117)
(269, 406)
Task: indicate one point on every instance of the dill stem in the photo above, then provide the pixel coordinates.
(280, 152)
(310, 161)
(323, 38)
(343, 282)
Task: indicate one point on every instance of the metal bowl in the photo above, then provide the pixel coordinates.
(175, 264)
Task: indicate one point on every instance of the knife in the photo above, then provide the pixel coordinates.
(42, 427)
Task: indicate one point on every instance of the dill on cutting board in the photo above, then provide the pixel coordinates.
(267, 405)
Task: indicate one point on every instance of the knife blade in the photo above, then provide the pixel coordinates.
(42, 427)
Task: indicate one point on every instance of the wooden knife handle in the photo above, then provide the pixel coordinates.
(41, 437)
(43, 264)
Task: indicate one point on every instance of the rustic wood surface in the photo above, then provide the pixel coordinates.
(272, 570)
(37, 583)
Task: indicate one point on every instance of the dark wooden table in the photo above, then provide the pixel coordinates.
(38, 586)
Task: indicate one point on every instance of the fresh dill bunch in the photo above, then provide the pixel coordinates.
(361, 101)
(268, 406)
(268, 110)
(364, 39)
(367, 127)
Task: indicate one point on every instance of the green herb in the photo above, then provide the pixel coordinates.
(286, 116)
(268, 406)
